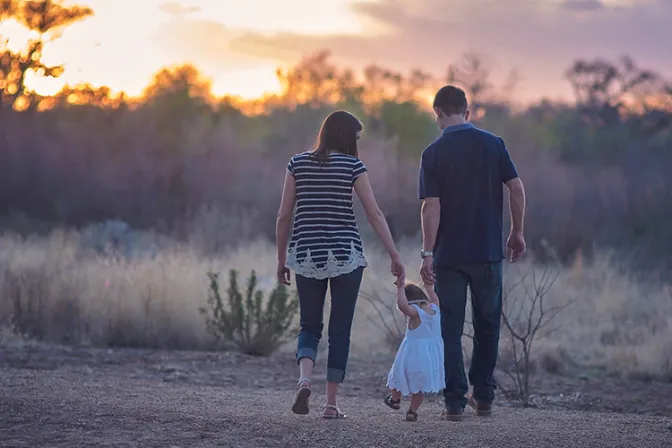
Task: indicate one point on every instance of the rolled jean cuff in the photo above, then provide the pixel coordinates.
(306, 352)
(335, 375)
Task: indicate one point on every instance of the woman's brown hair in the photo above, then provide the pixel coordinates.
(415, 293)
(337, 134)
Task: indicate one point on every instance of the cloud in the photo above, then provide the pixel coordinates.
(205, 43)
(538, 38)
(177, 10)
(582, 5)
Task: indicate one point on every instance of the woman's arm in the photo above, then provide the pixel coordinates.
(284, 219)
(431, 294)
(375, 215)
(402, 302)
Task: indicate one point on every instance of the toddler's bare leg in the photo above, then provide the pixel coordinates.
(393, 400)
(416, 400)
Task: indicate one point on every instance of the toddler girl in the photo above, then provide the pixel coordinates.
(418, 367)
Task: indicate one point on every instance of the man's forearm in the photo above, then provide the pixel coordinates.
(430, 214)
(517, 207)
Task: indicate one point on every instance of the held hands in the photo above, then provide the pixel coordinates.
(397, 269)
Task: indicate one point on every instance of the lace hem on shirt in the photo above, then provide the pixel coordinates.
(332, 267)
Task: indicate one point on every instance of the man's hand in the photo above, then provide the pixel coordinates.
(427, 271)
(515, 246)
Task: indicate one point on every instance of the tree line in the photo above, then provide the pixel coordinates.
(596, 168)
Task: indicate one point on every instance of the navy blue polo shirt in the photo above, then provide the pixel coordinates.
(466, 168)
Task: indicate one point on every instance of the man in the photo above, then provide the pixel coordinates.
(462, 175)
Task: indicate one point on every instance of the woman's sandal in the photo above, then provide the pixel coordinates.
(335, 415)
(302, 395)
(411, 415)
(394, 404)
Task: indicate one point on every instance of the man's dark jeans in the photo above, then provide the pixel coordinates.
(312, 294)
(485, 282)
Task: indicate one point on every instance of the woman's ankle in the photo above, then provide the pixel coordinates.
(332, 392)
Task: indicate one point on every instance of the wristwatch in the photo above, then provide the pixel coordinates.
(426, 253)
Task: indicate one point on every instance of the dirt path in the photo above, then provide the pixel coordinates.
(62, 397)
(46, 409)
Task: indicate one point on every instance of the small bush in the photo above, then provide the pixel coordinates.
(246, 323)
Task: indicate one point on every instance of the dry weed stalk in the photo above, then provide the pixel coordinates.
(387, 318)
(526, 318)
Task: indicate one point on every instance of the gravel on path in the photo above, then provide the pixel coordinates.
(47, 408)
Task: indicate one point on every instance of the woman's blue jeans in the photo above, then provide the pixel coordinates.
(312, 294)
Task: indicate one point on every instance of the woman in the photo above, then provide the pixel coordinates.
(326, 249)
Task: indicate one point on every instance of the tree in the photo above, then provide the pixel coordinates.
(600, 83)
(607, 92)
(407, 123)
(177, 98)
(316, 81)
(473, 74)
(381, 84)
(184, 81)
(47, 18)
(7, 9)
(83, 95)
(620, 98)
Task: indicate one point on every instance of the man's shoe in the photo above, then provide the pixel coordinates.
(452, 414)
(482, 409)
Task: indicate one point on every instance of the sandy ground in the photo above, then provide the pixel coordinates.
(59, 397)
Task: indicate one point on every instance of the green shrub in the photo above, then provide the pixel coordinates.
(246, 323)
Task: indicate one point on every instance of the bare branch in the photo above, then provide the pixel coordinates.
(524, 315)
(386, 316)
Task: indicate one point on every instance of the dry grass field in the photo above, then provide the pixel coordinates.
(57, 290)
(105, 351)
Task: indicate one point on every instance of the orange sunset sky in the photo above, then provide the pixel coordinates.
(240, 43)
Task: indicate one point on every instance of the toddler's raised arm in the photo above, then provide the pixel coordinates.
(431, 294)
(402, 301)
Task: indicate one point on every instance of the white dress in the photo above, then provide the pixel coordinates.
(418, 366)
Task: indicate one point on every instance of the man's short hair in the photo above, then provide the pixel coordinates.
(451, 100)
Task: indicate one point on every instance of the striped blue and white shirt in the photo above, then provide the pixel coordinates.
(325, 240)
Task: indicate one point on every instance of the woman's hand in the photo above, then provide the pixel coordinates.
(284, 276)
(397, 268)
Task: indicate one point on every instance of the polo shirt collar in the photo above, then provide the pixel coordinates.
(456, 127)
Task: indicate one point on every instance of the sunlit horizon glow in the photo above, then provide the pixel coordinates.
(123, 51)
(238, 45)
